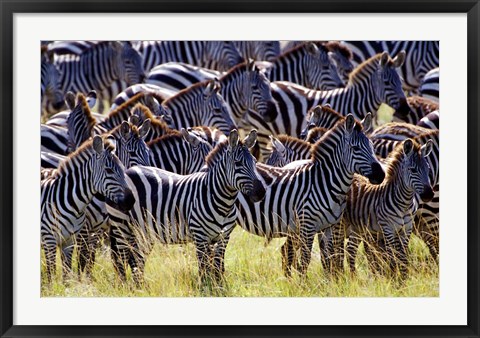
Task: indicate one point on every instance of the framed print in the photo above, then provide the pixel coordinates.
(239, 168)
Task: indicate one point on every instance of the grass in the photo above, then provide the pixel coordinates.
(253, 269)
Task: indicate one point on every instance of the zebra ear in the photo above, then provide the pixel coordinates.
(251, 65)
(350, 123)
(367, 123)
(144, 128)
(209, 88)
(98, 144)
(399, 59)
(384, 59)
(125, 130)
(190, 137)
(426, 149)
(251, 139)
(233, 138)
(277, 145)
(408, 146)
(312, 48)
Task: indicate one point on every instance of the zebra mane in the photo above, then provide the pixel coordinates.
(316, 149)
(94, 46)
(191, 90)
(146, 113)
(80, 119)
(315, 134)
(217, 153)
(85, 148)
(367, 66)
(172, 135)
(395, 158)
(338, 47)
(294, 143)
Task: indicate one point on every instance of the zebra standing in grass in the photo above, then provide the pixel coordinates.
(219, 55)
(372, 83)
(258, 50)
(50, 83)
(175, 209)
(308, 196)
(92, 169)
(244, 87)
(99, 67)
(384, 213)
(385, 139)
(421, 57)
(430, 85)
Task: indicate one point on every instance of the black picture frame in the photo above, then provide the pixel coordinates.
(9, 7)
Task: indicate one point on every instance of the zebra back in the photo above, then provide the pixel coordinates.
(430, 85)
(258, 50)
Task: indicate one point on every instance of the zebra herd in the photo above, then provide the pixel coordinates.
(166, 162)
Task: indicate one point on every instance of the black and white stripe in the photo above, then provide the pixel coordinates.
(430, 85)
(258, 50)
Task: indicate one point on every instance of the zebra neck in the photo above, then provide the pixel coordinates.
(74, 176)
(233, 87)
(401, 194)
(220, 195)
(289, 67)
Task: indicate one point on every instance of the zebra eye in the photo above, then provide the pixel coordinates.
(255, 87)
(109, 171)
(355, 147)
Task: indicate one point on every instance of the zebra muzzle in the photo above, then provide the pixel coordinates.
(258, 191)
(403, 109)
(378, 174)
(270, 113)
(126, 202)
(427, 194)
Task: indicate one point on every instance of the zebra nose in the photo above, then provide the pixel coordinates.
(270, 113)
(58, 105)
(427, 194)
(378, 174)
(142, 78)
(403, 109)
(258, 191)
(127, 202)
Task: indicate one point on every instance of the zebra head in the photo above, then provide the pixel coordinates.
(199, 146)
(358, 153)
(416, 170)
(259, 94)
(390, 85)
(129, 63)
(320, 69)
(240, 170)
(322, 116)
(224, 53)
(214, 111)
(342, 56)
(131, 147)
(278, 157)
(109, 175)
(50, 81)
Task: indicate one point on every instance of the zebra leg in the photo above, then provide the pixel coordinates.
(429, 234)
(83, 249)
(306, 243)
(50, 259)
(338, 252)
(119, 255)
(326, 248)
(354, 241)
(219, 258)
(67, 252)
(204, 254)
(402, 249)
(288, 255)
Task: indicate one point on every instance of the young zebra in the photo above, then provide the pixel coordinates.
(92, 169)
(422, 56)
(258, 50)
(174, 209)
(384, 213)
(308, 196)
(286, 149)
(308, 65)
(430, 85)
(372, 83)
(385, 139)
(219, 55)
(99, 66)
(50, 83)
(244, 87)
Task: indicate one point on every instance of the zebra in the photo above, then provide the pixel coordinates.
(305, 197)
(99, 67)
(421, 57)
(152, 98)
(286, 149)
(175, 209)
(181, 152)
(51, 91)
(372, 83)
(430, 121)
(384, 213)
(258, 50)
(420, 107)
(92, 169)
(308, 65)
(385, 139)
(340, 53)
(244, 87)
(430, 85)
(219, 55)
